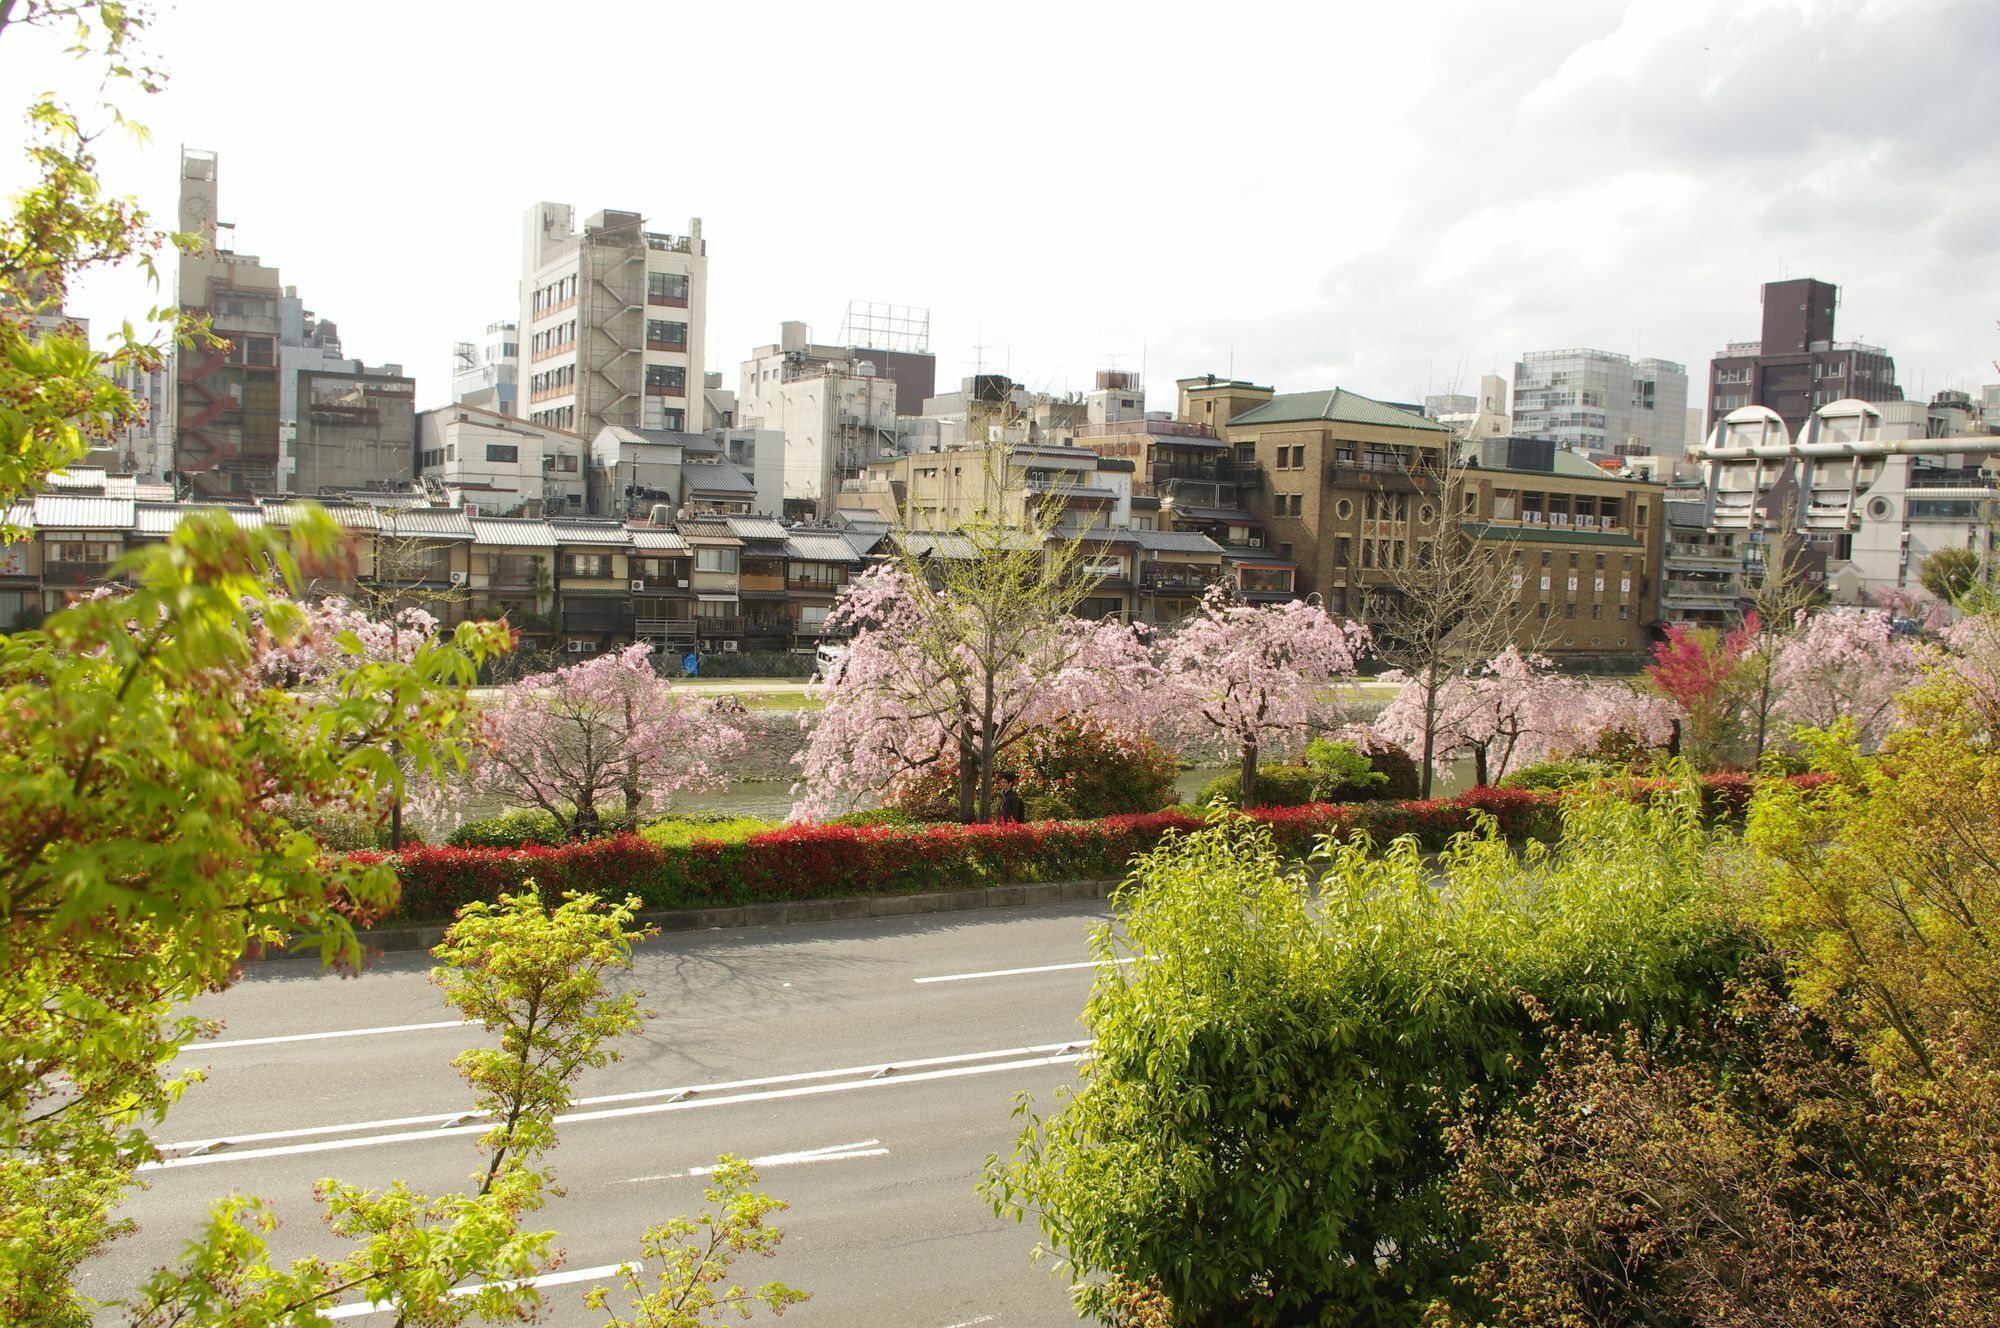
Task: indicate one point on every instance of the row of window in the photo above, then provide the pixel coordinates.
(561, 378)
(555, 295)
(562, 417)
(1291, 458)
(558, 338)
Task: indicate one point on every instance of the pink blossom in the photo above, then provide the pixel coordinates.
(1842, 664)
(1253, 676)
(607, 729)
(896, 702)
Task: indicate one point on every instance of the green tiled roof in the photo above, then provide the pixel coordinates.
(1339, 405)
(1550, 535)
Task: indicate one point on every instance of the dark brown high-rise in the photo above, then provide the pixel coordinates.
(1797, 366)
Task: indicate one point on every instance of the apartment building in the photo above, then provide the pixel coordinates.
(501, 465)
(1601, 404)
(835, 406)
(611, 324)
(486, 373)
(1582, 546)
(1702, 582)
(1868, 490)
(353, 430)
(1796, 366)
(227, 397)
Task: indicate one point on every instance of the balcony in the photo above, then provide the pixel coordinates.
(710, 628)
(75, 574)
(664, 629)
(1701, 555)
(768, 627)
(1179, 578)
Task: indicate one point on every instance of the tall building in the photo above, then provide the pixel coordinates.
(356, 429)
(1796, 366)
(226, 439)
(1601, 404)
(834, 405)
(485, 373)
(611, 322)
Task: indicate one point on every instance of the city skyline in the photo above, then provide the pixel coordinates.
(1400, 237)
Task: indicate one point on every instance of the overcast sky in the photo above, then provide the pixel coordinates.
(1392, 198)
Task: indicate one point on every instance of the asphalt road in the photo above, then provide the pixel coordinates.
(782, 1032)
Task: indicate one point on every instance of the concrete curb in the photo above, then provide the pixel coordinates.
(392, 940)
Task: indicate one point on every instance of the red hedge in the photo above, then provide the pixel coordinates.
(828, 861)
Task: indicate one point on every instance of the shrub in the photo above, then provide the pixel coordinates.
(872, 816)
(1277, 786)
(1342, 772)
(1558, 775)
(1071, 769)
(1262, 1135)
(692, 864)
(507, 830)
(681, 831)
(1396, 766)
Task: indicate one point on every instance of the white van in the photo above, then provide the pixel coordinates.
(825, 658)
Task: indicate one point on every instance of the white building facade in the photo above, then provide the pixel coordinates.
(1601, 404)
(499, 465)
(485, 373)
(611, 327)
(836, 415)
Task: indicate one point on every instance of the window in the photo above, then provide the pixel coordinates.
(662, 335)
(587, 564)
(503, 452)
(1569, 610)
(1285, 552)
(82, 551)
(714, 560)
(1624, 612)
(666, 380)
(666, 288)
(1546, 555)
(1597, 612)
(715, 608)
(1340, 552)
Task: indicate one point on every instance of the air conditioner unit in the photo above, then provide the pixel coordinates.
(458, 578)
(996, 433)
(637, 585)
(575, 647)
(729, 646)
(682, 583)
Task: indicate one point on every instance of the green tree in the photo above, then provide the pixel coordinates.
(1258, 1134)
(536, 976)
(1950, 574)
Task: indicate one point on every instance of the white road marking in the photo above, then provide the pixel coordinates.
(613, 1113)
(363, 1308)
(1013, 972)
(984, 1318)
(452, 1118)
(830, 1153)
(195, 1048)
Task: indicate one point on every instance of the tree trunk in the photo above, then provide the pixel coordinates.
(1430, 733)
(1248, 789)
(968, 774)
(396, 822)
(1479, 765)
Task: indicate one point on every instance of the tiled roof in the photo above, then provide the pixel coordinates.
(657, 539)
(513, 532)
(20, 516)
(756, 528)
(709, 530)
(820, 546)
(1175, 541)
(77, 477)
(1549, 535)
(1338, 405)
(61, 512)
(344, 516)
(591, 532)
(163, 519)
(433, 522)
(714, 477)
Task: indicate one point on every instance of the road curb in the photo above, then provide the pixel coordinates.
(393, 940)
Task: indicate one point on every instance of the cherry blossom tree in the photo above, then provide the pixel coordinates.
(570, 741)
(1517, 710)
(1843, 664)
(935, 673)
(1253, 675)
(337, 634)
